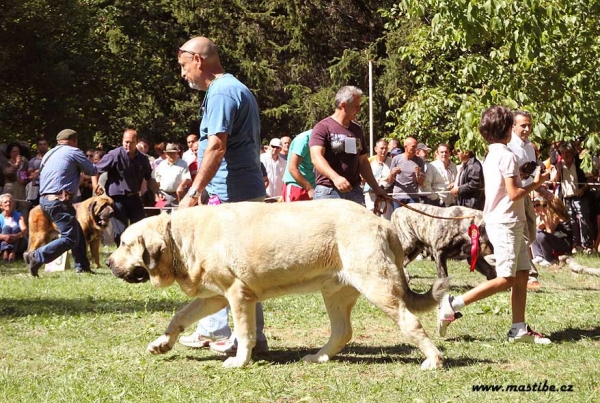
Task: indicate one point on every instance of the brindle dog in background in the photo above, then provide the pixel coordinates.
(443, 238)
(93, 214)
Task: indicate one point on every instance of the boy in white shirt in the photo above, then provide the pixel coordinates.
(504, 214)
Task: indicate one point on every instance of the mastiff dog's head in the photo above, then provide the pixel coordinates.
(144, 253)
(101, 210)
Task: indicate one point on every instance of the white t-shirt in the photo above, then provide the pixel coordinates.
(524, 151)
(499, 164)
(275, 171)
(169, 176)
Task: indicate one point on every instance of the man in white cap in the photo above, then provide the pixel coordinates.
(275, 166)
(173, 177)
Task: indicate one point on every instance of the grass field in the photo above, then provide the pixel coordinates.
(83, 338)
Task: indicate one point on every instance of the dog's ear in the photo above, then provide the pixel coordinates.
(92, 208)
(154, 246)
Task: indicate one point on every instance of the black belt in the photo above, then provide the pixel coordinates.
(174, 194)
(126, 195)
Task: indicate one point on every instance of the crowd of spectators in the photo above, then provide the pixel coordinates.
(567, 208)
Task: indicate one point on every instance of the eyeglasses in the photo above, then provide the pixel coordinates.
(180, 51)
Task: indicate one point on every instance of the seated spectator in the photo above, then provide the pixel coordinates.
(554, 235)
(13, 229)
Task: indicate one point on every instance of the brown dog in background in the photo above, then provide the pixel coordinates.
(93, 215)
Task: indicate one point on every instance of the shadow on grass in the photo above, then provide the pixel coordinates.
(353, 354)
(570, 335)
(76, 306)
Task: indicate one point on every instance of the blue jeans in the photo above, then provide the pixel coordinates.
(217, 324)
(355, 195)
(6, 230)
(71, 235)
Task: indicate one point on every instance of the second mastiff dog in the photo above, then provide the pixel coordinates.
(241, 253)
(93, 215)
(443, 238)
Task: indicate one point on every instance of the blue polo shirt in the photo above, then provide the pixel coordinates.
(229, 107)
(124, 175)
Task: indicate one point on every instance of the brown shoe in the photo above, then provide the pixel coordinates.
(534, 285)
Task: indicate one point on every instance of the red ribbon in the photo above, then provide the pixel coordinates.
(474, 234)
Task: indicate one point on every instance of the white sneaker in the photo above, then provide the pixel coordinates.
(544, 263)
(528, 336)
(229, 347)
(196, 340)
(446, 314)
(537, 259)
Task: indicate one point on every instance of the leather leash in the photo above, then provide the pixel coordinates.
(383, 200)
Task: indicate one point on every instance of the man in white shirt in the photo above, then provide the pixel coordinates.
(285, 147)
(439, 177)
(275, 166)
(523, 149)
(380, 165)
(173, 176)
(190, 156)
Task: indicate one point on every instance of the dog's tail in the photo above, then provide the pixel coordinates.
(414, 301)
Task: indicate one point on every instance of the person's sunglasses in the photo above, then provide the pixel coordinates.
(89, 155)
(540, 205)
(180, 51)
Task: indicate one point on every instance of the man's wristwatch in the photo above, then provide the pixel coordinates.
(193, 193)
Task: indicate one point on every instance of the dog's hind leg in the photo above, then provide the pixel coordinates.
(189, 314)
(441, 258)
(339, 305)
(414, 332)
(387, 294)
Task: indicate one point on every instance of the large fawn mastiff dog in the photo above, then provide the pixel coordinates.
(445, 239)
(241, 253)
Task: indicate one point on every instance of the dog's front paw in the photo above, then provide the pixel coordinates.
(315, 358)
(432, 363)
(160, 345)
(235, 362)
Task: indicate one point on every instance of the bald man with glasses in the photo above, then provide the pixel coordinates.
(228, 164)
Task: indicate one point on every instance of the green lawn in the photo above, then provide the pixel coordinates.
(83, 338)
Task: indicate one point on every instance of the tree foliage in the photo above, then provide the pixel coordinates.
(100, 65)
(465, 55)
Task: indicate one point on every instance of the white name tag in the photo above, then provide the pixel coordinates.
(350, 145)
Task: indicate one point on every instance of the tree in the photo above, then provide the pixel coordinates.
(465, 55)
(99, 66)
